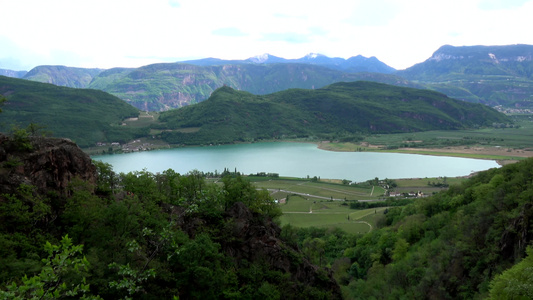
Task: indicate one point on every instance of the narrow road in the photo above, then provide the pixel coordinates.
(316, 196)
(365, 222)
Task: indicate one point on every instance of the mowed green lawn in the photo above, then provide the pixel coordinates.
(304, 212)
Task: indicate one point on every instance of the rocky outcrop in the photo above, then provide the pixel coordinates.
(249, 237)
(257, 239)
(517, 235)
(47, 164)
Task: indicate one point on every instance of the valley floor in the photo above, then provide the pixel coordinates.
(502, 155)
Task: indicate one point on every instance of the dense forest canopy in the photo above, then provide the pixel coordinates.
(83, 115)
(346, 109)
(139, 235)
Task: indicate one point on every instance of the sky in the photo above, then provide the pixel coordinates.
(132, 33)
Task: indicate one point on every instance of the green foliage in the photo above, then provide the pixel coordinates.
(86, 116)
(63, 275)
(338, 111)
(131, 279)
(21, 139)
(389, 202)
(238, 189)
(450, 245)
(314, 248)
(2, 100)
(24, 209)
(516, 282)
(107, 179)
(133, 242)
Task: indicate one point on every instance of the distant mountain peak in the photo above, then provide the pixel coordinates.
(496, 54)
(313, 55)
(261, 58)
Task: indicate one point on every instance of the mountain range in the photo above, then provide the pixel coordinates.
(345, 110)
(353, 64)
(492, 75)
(164, 86)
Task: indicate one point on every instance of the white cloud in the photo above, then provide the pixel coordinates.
(106, 34)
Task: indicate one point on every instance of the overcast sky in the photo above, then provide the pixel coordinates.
(132, 33)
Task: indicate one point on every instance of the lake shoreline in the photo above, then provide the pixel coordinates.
(503, 156)
(293, 160)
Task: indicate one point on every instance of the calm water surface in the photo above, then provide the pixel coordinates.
(296, 160)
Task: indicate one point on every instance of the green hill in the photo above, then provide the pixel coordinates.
(336, 111)
(452, 245)
(493, 75)
(83, 115)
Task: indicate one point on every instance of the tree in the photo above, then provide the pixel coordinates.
(314, 248)
(239, 189)
(516, 282)
(62, 275)
(34, 129)
(2, 100)
(400, 249)
(107, 179)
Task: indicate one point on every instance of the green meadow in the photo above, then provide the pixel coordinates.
(304, 212)
(319, 190)
(308, 203)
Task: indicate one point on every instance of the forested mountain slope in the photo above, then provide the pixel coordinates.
(171, 85)
(494, 75)
(86, 116)
(452, 245)
(341, 109)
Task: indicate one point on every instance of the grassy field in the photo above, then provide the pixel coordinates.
(517, 138)
(309, 203)
(487, 143)
(421, 184)
(319, 190)
(303, 212)
(145, 119)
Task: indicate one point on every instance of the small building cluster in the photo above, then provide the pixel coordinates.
(133, 146)
(418, 194)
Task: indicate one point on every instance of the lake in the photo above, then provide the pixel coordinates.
(296, 160)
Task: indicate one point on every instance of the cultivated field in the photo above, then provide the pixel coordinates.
(502, 144)
(306, 203)
(304, 212)
(320, 190)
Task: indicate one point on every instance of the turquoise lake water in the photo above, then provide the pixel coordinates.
(296, 160)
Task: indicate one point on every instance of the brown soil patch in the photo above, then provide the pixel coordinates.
(479, 150)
